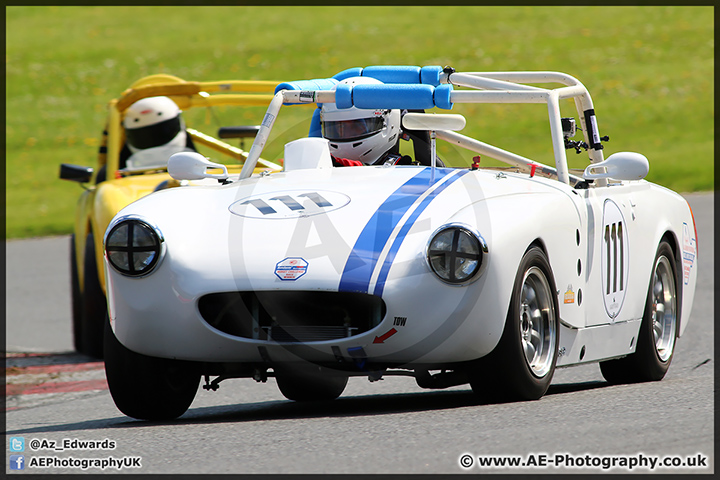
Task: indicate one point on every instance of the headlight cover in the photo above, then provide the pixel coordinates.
(456, 254)
(133, 246)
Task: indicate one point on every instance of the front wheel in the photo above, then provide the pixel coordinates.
(148, 388)
(310, 383)
(521, 366)
(658, 331)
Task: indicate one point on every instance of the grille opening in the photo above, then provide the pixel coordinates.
(292, 316)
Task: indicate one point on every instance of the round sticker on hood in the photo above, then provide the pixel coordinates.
(289, 204)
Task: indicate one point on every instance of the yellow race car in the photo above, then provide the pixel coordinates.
(145, 125)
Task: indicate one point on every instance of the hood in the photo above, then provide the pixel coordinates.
(336, 229)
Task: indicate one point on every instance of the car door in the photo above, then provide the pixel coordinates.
(615, 284)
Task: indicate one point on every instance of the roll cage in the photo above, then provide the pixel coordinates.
(406, 87)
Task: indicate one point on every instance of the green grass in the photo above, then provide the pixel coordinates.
(649, 70)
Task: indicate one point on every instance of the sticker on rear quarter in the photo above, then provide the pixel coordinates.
(291, 268)
(689, 252)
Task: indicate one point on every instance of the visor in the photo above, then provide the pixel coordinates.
(153, 135)
(352, 129)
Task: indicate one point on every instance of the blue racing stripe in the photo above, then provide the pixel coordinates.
(376, 233)
(380, 284)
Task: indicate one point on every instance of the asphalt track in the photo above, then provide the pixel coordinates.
(390, 426)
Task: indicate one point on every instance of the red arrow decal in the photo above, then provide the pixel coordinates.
(382, 338)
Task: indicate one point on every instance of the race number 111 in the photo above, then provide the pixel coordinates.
(615, 258)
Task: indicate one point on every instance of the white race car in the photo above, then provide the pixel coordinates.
(488, 276)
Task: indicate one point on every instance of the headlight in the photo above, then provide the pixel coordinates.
(133, 247)
(456, 254)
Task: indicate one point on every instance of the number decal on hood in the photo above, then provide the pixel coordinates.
(289, 204)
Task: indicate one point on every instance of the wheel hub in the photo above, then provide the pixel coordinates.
(537, 326)
(663, 309)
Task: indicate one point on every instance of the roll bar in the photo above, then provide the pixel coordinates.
(430, 87)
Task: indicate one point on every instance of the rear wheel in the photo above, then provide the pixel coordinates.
(93, 305)
(309, 383)
(522, 365)
(148, 388)
(658, 332)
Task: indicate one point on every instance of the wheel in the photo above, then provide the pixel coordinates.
(75, 298)
(521, 366)
(93, 305)
(310, 383)
(658, 331)
(148, 388)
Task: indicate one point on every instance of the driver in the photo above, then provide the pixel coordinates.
(154, 130)
(361, 136)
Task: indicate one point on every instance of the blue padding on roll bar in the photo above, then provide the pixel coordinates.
(317, 84)
(399, 89)
(350, 72)
(442, 96)
(393, 73)
(429, 75)
(315, 127)
(343, 95)
(393, 96)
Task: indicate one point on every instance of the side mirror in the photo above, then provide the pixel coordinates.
(433, 122)
(619, 166)
(430, 121)
(75, 173)
(193, 166)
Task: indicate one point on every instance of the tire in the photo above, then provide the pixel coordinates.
(522, 365)
(310, 383)
(148, 388)
(93, 305)
(658, 331)
(76, 298)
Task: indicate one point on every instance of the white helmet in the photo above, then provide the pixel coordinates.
(359, 134)
(153, 122)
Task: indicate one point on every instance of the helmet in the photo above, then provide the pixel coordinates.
(153, 122)
(359, 134)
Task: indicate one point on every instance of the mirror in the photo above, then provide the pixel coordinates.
(193, 166)
(431, 121)
(76, 173)
(619, 166)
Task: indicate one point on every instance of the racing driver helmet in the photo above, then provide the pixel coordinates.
(359, 134)
(153, 122)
